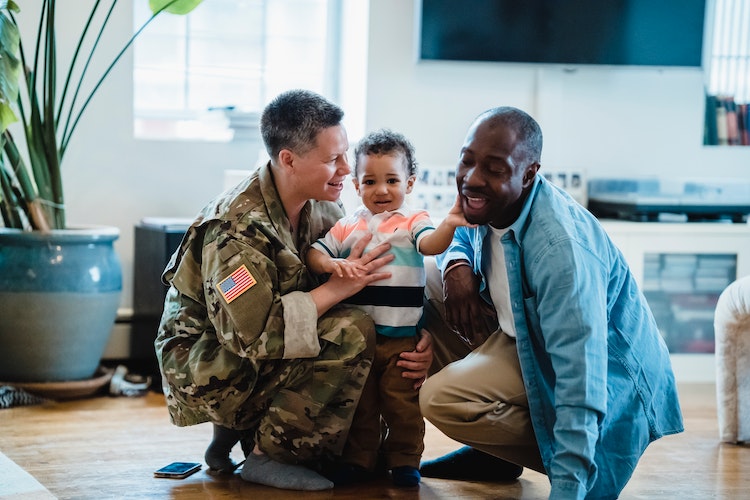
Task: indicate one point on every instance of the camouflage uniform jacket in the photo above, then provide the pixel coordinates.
(237, 288)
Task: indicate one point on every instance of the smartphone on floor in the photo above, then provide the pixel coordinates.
(178, 470)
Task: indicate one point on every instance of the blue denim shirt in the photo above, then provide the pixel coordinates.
(597, 372)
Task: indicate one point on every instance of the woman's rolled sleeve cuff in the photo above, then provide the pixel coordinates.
(300, 326)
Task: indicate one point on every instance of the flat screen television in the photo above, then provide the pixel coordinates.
(570, 32)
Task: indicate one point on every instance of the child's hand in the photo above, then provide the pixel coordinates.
(345, 268)
(456, 217)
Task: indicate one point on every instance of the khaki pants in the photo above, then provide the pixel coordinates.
(476, 397)
(389, 396)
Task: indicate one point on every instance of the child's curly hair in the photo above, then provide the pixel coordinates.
(385, 142)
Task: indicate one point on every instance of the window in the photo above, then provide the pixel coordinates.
(728, 74)
(226, 59)
(729, 50)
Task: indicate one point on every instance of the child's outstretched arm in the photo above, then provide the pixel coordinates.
(437, 241)
(322, 263)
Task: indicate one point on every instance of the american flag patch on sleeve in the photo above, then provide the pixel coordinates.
(236, 284)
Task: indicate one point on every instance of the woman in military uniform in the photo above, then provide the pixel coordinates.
(249, 339)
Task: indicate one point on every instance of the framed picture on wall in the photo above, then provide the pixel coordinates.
(434, 191)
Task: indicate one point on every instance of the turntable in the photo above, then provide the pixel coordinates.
(652, 199)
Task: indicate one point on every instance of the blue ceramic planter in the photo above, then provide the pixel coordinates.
(59, 294)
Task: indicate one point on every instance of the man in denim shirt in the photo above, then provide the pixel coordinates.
(559, 364)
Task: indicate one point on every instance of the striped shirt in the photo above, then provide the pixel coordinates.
(395, 304)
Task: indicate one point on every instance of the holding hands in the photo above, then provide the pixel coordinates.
(343, 268)
(359, 271)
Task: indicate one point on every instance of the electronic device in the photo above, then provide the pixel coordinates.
(570, 32)
(658, 199)
(178, 470)
(156, 239)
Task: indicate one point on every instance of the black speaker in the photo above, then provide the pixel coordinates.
(156, 239)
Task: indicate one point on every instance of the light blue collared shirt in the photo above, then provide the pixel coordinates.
(597, 372)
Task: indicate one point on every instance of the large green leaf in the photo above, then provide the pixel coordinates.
(10, 64)
(179, 7)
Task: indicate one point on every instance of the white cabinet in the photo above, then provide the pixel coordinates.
(681, 269)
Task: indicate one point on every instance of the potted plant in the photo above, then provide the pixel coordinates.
(59, 286)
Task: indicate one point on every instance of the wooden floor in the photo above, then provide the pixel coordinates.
(104, 447)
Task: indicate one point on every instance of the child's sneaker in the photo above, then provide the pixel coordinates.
(405, 476)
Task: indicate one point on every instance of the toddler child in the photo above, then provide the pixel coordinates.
(384, 173)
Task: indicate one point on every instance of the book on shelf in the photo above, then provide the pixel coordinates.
(710, 130)
(733, 128)
(727, 122)
(722, 133)
(743, 122)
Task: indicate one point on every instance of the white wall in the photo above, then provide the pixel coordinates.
(610, 122)
(607, 121)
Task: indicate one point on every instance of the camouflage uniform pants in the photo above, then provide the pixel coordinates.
(306, 407)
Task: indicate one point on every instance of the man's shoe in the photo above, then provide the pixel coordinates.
(469, 464)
